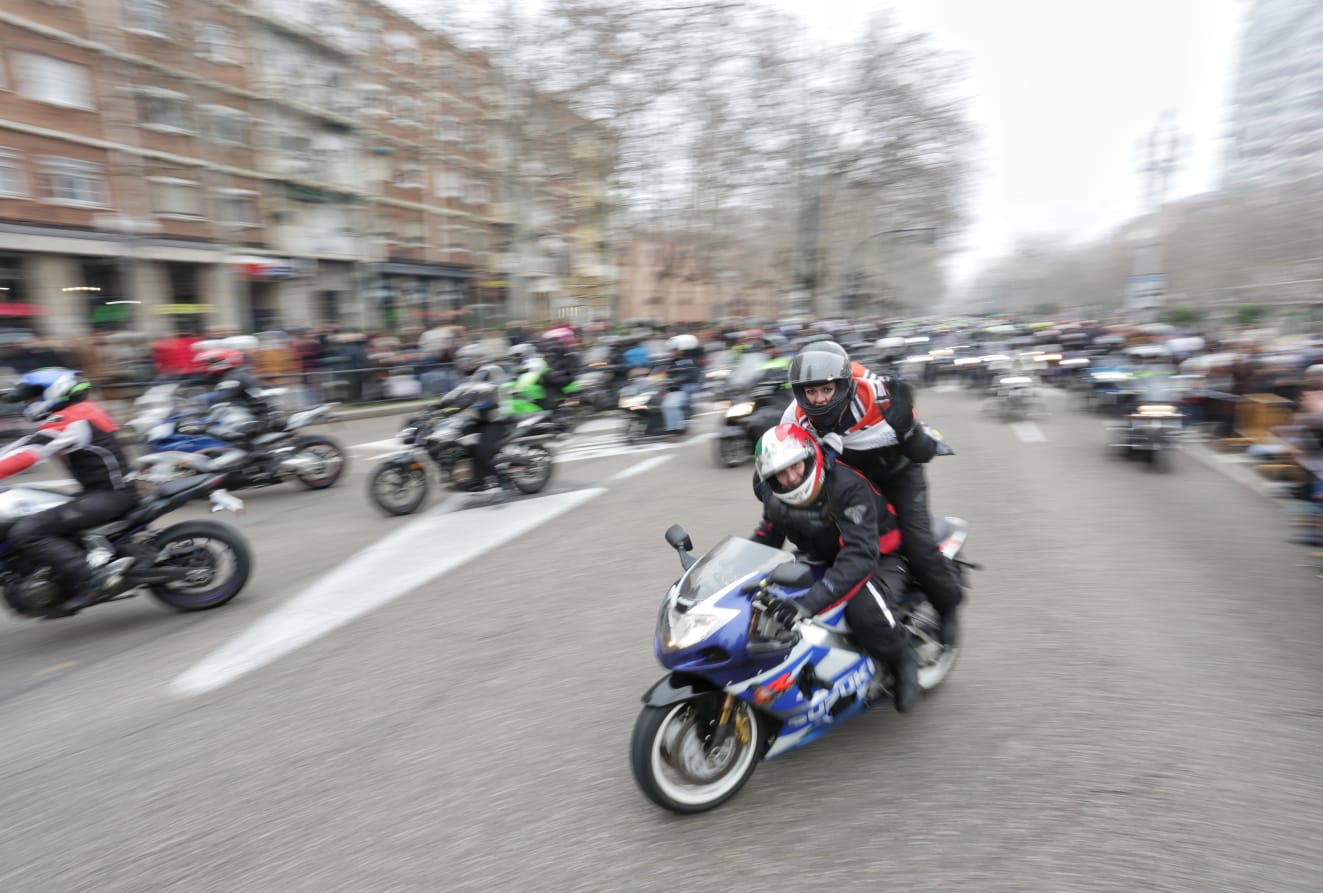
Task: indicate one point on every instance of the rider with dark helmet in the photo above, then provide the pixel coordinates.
(835, 517)
(235, 382)
(480, 399)
(80, 432)
(870, 420)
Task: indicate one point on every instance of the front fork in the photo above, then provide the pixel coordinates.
(725, 727)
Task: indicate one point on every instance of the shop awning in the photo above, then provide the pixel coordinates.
(432, 270)
(184, 309)
(253, 267)
(22, 310)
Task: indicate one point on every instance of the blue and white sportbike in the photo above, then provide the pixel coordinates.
(744, 688)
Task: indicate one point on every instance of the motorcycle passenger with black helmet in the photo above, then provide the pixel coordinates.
(871, 422)
(834, 516)
(80, 432)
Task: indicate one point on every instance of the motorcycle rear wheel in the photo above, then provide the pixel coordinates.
(218, 560)
(398, 489)
(936, 661)
(673, 765)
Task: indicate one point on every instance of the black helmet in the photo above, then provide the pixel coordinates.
(817, 363)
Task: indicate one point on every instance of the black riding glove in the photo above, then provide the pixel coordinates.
(899, 412)
(784, 611)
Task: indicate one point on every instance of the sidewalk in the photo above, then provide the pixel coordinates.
(1238, 466)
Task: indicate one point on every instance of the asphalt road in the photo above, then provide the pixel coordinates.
(1136, 708)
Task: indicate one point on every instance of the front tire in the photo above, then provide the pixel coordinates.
(732, 451)
(330, 458)
(398, 489)
(530, 467)
(218, 560)
(671, 760)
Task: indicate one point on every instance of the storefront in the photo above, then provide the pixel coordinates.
(17, 311)
(420, 295)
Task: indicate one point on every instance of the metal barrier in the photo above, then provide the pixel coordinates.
(330, 383)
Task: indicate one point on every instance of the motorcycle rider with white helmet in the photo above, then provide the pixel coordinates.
(834, 516)
(80, 432)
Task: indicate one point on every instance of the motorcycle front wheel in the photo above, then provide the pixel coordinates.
(217, 561)
(530, 467)
(398, 489)
(674, 764)
(732, 451)
(328, 461)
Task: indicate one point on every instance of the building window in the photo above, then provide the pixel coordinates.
(449, 185)
(174, 197)
(54, 81)
(403, 47)
(216, 42)
(477, 193)
(165, 109)
(222, 124)
(12, 181)
(238, 207)
(147, 17)
(406, 110)
(74, 182)
(409, 178)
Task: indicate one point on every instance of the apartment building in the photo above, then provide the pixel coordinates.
(243, 164)
(1277, 112)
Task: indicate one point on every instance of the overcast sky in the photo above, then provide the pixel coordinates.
(1062, 91)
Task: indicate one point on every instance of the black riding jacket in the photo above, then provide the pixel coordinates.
(849, 526)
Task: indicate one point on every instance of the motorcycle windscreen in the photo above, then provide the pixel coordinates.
(732, 559)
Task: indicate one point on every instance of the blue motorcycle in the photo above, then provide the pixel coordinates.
(742, 688)
(230, 439)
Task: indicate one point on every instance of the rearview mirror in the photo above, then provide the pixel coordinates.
(791, 575)
(678, 539)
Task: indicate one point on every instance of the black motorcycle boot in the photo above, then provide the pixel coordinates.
(948, 629)
(102, 583)
(905, 681)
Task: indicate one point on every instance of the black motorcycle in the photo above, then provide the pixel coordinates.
(1148, 433)
(446, 436)
(190, 566)
(756, 411)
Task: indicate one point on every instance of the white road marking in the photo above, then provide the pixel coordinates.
(645, 465)
(379, 574)
(1028, 432)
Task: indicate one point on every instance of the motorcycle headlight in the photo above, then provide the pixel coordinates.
(739, 410)
(685, 630)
